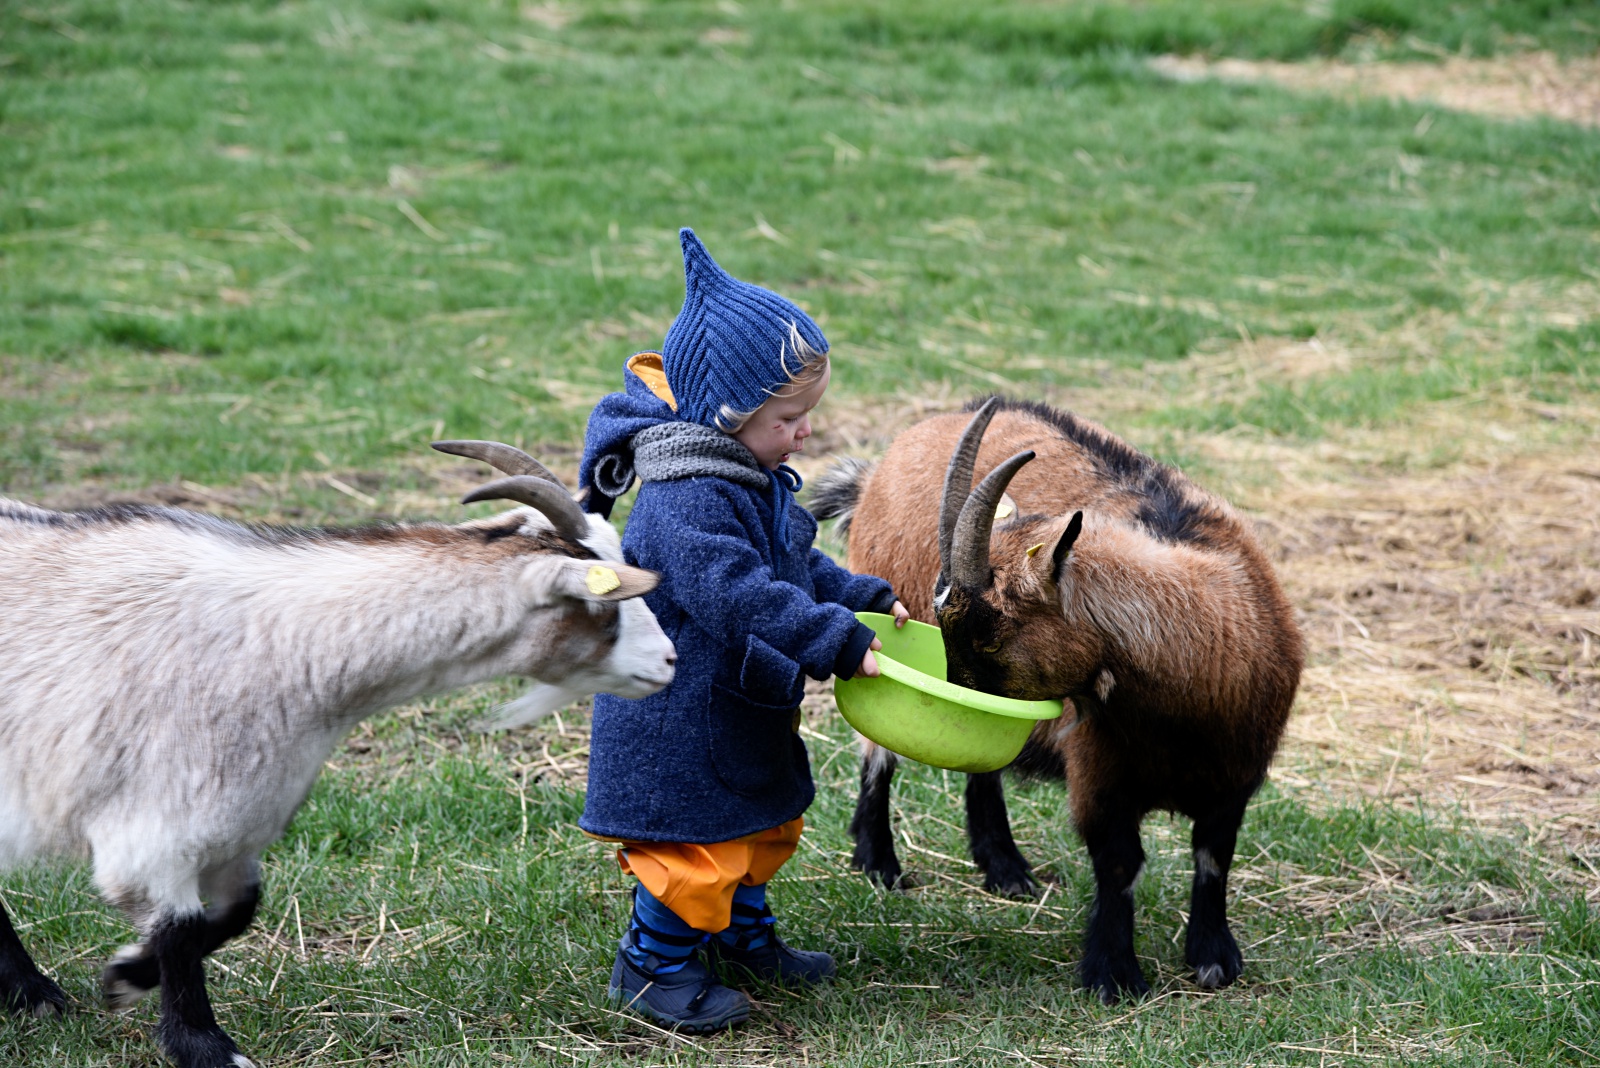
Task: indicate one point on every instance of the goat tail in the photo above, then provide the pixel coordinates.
(835, 493)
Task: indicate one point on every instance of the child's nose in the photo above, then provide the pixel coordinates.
(804, 429)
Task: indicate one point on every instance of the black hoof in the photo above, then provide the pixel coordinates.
(1215, 958)
(34, 995)
(894, 878)
(207, 1048)
(1112, 981)
(886, 872)
(128, 977)
(1017, 885)
(1010, 878)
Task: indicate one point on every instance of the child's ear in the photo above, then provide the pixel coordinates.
(595, 581)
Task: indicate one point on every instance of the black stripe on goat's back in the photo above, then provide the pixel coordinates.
(109, 514)
(1171, 507)
(18, 512)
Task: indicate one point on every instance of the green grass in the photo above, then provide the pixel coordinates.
(241, 242)
(1278, 29)
(208, 213)
(510, 917)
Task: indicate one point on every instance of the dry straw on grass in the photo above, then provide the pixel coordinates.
(1454, 623)
(1512, 86)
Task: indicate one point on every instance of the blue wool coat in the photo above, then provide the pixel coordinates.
(717, 754)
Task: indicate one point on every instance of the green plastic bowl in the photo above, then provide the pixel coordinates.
(911, 710)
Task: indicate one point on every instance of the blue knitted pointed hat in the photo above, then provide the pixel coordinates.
(730, 343)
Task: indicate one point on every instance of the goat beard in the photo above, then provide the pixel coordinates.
(543, 699)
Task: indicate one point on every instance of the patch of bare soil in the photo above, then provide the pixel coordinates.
(1454, 627)
(1511, 86)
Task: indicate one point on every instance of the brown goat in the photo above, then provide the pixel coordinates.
(1110, 580)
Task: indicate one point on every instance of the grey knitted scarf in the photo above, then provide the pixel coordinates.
(675, 450)
(669, 451)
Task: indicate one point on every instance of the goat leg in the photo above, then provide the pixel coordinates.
(23, 987)
(135, 970)
(874, 853)
(1109, 967)
(1209, 946)
(1005, 871)
(188, 1030)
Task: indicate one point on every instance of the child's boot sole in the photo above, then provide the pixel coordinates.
(636, 1003)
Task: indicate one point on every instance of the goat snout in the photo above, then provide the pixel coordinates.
(644, 683)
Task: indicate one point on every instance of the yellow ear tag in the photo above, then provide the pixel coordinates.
(1034, 548)
(601, 580)
(1006, 508)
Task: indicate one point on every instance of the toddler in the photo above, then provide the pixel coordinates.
(703, 784)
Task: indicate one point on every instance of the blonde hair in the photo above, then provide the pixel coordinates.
(813, 365)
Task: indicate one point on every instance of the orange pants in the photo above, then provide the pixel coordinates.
(696, 881)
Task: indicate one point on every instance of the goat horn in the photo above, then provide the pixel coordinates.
(548, 497)
(958, 481)
(969, 545)
(506, 458)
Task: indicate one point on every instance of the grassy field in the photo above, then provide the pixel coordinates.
(253, 256)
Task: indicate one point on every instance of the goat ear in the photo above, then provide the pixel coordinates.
(1064, 544)
(601, 581)
(596, 581)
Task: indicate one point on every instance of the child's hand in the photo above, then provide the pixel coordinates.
(869, 663)
(900, 614)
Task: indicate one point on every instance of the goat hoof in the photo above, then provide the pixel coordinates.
(128, 976)
(1019, 885)
(202, 1048)
(1218, 974)
(895, 880)
(35, 995)
(889, 875)
(1216, 964)
(1111, 982)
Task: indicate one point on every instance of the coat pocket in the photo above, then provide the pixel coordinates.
(755, 747)
(768, 676)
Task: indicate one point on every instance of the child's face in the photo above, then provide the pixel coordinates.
(779, 428)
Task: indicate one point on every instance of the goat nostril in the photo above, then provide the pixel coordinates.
(672, 659)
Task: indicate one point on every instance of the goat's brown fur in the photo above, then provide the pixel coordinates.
(1164, 624)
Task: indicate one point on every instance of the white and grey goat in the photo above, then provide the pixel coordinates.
(171, 683)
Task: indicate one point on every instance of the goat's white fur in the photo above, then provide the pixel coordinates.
(171, 685)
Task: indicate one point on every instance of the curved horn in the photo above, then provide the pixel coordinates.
(548, 497)
(958, 481)
(969, 546)
(507, 458)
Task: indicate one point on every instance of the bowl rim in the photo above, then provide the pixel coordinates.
(949, 691)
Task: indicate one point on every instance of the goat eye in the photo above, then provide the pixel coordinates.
(992, 647)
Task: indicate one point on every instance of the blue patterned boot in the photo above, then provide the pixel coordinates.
(657, 975)
(751, 948)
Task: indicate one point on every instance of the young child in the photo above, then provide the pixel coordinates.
(703, 784)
